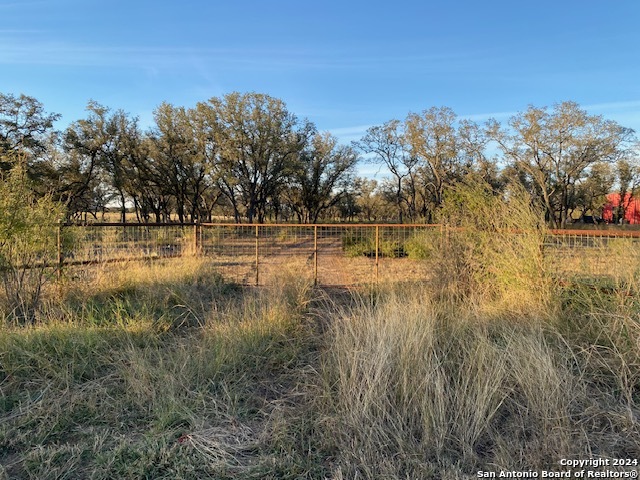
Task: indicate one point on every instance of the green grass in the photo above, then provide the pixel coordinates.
(358, 244)
(149, 394)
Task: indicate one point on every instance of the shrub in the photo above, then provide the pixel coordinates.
(492, 250)
(27, 243)
(358, 245)
(355, 244)
(422, 245)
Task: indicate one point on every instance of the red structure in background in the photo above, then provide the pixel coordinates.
(612, 210)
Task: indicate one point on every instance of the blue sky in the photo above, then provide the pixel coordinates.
(345, 65)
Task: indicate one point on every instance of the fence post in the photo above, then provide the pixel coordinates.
(59, 247)
(315, 255)
(195, 237)
(377, 248)
(257, 258)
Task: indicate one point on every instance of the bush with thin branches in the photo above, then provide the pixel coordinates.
(28, 244)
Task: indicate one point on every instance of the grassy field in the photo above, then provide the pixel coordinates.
(166, 370)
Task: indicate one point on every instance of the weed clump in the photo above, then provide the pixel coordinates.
(492, 250)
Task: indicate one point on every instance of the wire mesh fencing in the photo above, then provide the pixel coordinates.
(327, 254)
(112, 242)
(588, 253)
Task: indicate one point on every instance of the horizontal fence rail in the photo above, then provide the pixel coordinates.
(327, 254)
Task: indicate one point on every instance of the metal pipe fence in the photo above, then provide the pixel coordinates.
(327, 254)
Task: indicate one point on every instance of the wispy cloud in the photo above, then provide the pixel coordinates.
(616, 106)
(65, 54)
(39, 48)
(347, 135)
(626, 113)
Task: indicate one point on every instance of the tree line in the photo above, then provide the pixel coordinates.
(245, 156)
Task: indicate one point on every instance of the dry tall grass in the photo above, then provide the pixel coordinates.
(491, 367)
(419, 388)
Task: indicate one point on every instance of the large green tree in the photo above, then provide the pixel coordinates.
(258, 141)
(26, 130)
(180, 158)
(321, 177)
(387, 145)
(556, 149)
(24, 124)
(103, 143)
(435, 143)
(590, 194)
